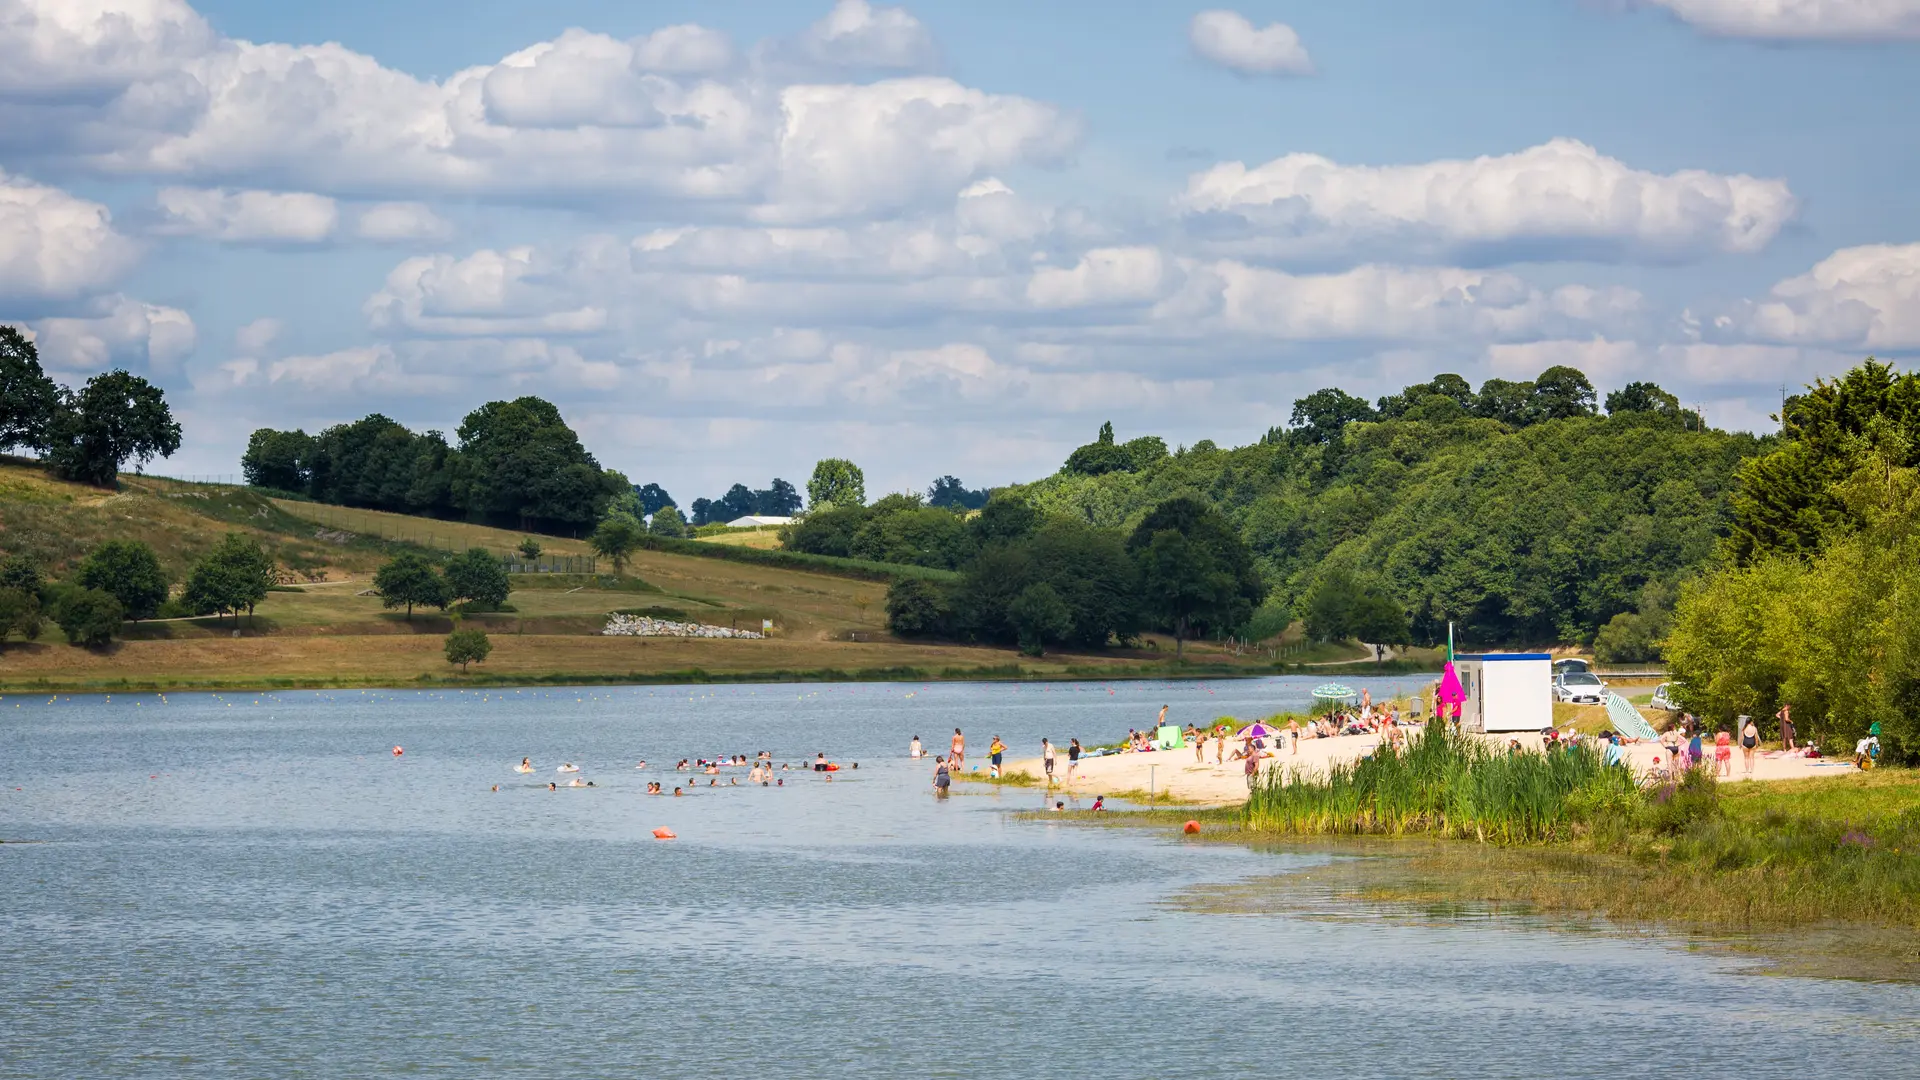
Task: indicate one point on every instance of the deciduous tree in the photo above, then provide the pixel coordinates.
(130, 572)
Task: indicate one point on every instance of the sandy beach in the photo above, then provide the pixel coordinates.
(1208, 784)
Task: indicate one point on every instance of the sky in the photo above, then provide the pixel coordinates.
(730, 238)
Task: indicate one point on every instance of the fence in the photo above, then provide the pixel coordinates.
(550, 564)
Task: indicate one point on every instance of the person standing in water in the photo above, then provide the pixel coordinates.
(958, 753)
(1046, 759)
(942, 778)
(913, 749)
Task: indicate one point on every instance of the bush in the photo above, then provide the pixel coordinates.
(918, 608)
(89, 616)
(130, 572)
(467, 646)
(477, 576)
(19, 612)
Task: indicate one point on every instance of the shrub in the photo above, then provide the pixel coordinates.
(477, 576)
(467, 646)
(130, 572)
(19, 611)
(89, 616)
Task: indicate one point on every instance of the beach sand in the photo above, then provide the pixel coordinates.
(1174, 771)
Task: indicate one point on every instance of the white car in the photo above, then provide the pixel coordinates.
(1663, 698)
(1579, 688)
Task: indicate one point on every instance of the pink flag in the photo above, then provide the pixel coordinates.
(1451, 692)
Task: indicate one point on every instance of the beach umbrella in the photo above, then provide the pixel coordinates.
(1254, 731)
(1333, 691)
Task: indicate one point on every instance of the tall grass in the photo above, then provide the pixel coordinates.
(1449, 785)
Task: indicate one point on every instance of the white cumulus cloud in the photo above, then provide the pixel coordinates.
(393, 222)
(290, 217)
(54, 245)
(488, 293)
(1229, 39)
(1861, 20)
(118, 330)
(1128, 275)
(1865, 296)
(856, 34)
(1561, 199)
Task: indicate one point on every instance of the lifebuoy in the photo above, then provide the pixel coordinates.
(664, 834)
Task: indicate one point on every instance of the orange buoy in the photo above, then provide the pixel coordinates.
(664, 834)
(397, 751)
(1191, 827)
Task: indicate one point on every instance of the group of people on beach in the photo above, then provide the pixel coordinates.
(761, 769)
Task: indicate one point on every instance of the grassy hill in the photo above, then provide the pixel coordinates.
(325, 627)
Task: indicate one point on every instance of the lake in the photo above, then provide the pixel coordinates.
(253, 885)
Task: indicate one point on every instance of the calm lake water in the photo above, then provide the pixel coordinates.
(252, 886)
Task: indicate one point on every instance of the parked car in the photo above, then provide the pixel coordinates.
(1571, 664)
(1663, 698)
(1579, 688)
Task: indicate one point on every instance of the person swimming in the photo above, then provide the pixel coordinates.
(525, 766)
(677, 792)
(577, 782)
(642, 765)
(568, 767)
(551, 786)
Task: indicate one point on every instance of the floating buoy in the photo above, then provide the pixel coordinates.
(397, 751)
(1190, 827)
(664, 834)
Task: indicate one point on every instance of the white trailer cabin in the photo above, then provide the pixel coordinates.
(1506, 691)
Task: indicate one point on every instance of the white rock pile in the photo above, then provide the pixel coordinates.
(641, 626)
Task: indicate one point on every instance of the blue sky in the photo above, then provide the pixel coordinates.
(729, 238)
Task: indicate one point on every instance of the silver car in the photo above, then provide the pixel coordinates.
(1579, 688)
(1663, 698)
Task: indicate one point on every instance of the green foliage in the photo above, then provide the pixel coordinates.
(837, 482)
(89, 617)
(282, 460)
(130, 572)
(517, 463)
(1039, 616)
(948, 491)
(1789, 501)
(115, 417)
(927, 536)
(1196, 573)
(1518, 538)
(617, 537)
(478, 576)
(1636, 636)
(1269, 620)
(1341, 607)
(919, 608)
(410, 579)
(1836, 635)
(1322, 416)
(529, 548)
(28, 398)
(667, 522)
(23, 573)
(467, 646)
(231, 578)
(19, 613)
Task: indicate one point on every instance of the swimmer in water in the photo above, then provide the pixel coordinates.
(677, 792)
(642, 765)
(568, 767)
(525, 766)
(551, 786)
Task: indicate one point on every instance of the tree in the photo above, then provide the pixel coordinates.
(1509, 402)
(467, 646)
(1452, 387)
(949, 492)
(279, 459)
(666, 522)
(410, 579)
(1561, 392)
(1145, 451)
(19, 612)
(1321, 417)
(232, 578)
(28, 398)
(529, 548)
(652, 498)
(130, 572)
(738, 502)
(1003, 520)
(1100, 456)
(1642, 397)
(89, 617)
(520, 461)
(919, 608)
(115, 417)
(21, 572)
(478, 577)
(617, 538)
(837, 482)
(702, 512)
(780, 499)
(1039, 616)
(1196, 573)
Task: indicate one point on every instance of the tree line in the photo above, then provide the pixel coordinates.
(1520, 511)
(1040, 581)
(1813, 602)
(514, 463)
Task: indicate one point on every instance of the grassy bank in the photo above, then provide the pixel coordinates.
(1563, 831)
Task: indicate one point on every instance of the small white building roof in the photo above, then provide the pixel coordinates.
(754, 521)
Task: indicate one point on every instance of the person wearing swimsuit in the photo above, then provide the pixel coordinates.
(959, 752)
(1073, 758)
(1749, 742)
(1722, 754)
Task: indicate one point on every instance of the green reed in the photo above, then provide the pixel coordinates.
(1443, 784)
